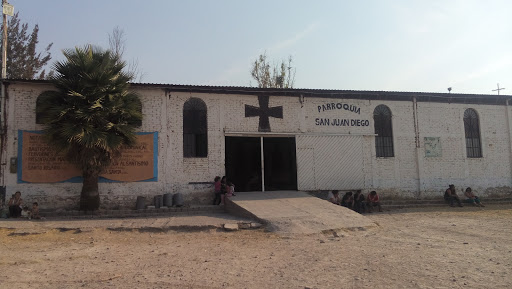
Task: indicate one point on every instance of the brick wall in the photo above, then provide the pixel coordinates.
(409, 174)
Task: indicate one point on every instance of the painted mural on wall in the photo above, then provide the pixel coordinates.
(39, 163)
(432, 147)
(263, 112)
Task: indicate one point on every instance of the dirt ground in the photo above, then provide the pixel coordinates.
(414, 248)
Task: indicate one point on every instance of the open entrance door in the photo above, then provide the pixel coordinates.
(244, 163)
(280, 163)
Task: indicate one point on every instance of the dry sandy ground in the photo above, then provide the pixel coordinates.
(421, 248)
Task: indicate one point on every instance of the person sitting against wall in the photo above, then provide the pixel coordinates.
(373, 200)
(334, 197)
(25, 212)
(471, 198)
(3, 210)
(15, 205)
(35, 211)
(359, 205)
(347, 200)
(450, 195)
(230, 190)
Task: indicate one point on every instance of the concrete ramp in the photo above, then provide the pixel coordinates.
(296, 212)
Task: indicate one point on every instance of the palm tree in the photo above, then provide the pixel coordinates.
(91, 115)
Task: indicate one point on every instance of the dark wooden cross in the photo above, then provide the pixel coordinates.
(263, 112)
(498, 90)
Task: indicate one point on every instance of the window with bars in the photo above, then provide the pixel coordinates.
(38, 115)
(472, 132)
(383, 131)
(195, 129)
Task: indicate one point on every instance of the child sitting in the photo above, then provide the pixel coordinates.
(35, 211)
(230, 190)
(25, 213)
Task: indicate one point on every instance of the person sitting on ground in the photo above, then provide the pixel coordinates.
(334, 197)
(373, 201)
(15, 205)
(230, 189)
(3, 210)
(25, 213)
(34, 214)
(450, 195)
(347, 200)
(359, 202)
(471, 198)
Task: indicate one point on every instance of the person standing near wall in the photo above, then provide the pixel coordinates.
(223, 189)
(217, 199)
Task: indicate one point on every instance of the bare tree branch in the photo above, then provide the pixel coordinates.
(117, 43)
(273, 75)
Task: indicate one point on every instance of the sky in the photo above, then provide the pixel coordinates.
(393, 45)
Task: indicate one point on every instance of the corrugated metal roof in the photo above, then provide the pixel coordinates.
(324, 93)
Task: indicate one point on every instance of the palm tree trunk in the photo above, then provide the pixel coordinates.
(90, 196)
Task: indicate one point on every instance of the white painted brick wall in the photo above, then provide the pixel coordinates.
(396, 176)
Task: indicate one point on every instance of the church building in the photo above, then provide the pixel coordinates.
(401, 144)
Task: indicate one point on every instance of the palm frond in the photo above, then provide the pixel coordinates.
(92, 113)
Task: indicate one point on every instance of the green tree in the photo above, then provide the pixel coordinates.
(91, 115)
(269, 75)
(23, 60)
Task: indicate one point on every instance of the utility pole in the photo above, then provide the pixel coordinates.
(4, 41)
(7, 9)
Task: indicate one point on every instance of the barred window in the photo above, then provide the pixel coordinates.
(38, 114)
(138, 123)
(472, 131)
(383, 131)
(195, 129)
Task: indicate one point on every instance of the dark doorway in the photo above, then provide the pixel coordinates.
(243, 163)
(280, 163)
